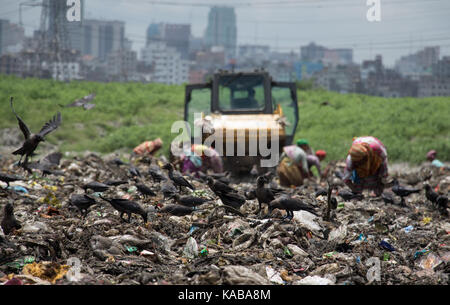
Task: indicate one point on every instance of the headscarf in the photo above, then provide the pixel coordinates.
(321, 153)
(431, 155)
(302, 142)
(371, 160)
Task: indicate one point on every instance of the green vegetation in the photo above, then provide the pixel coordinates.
(126, 114)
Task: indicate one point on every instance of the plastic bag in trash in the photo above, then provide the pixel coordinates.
(191, 248)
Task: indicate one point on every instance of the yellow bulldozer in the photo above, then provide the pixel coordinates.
(242, 115)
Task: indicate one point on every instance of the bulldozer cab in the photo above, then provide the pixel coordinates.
(242, 101)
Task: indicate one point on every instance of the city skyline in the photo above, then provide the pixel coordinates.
(405, 26)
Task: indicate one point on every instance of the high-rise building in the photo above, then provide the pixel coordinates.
(174, 35)
(102, 37)
(329, 57)
(222, 29)
(11, 35)
(168, 66)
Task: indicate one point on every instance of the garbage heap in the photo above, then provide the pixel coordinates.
(366, 242)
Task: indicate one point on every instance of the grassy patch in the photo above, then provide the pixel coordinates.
(127, 114)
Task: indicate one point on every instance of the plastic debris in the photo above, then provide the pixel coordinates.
(430, 261)
(385, 245)
(204, 252)
(408, 229)
(315, 280)
(274, 276)
(191, 248)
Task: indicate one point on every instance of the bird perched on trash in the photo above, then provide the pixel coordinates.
(320, 192)
(177, 178)
(32, 141)
(219, 187)
(156, 173)
(168, 189)
(231, 199)
(48, 165)
(126, 206)
(430, 194)
(263, 194)
(403, 191)
(82, 202)
(9, 222)
(177, 210)
(134, 171)
(7, 178)
(290, 204)
(348, 195)
(442, 202)
(190, 201)
(145, 190)
(96, 186)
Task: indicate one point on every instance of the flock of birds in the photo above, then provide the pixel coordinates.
(173, 184)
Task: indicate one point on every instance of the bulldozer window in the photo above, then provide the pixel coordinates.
(283, 97)
(241, 93)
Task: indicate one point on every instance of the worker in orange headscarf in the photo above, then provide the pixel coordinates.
(366, 165)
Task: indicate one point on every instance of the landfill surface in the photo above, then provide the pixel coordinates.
(366, 242)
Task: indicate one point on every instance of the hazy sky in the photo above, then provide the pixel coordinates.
(405, 27)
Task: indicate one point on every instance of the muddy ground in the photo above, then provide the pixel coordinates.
(214, 246)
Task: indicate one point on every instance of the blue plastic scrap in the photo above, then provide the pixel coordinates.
(386, 245)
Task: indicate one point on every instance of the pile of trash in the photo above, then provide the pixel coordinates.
(366, 241)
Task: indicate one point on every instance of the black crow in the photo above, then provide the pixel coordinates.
(403, 191)
(430, 194)
(126, 206)
(82, 202)
(32, 141)
(264, 195)
(290, 204)
(177, 210)
(9, 222)
(9, 178)
(348, 195)
(231, 199)
(219, 187)
(321, 192)
(168, 189)
(190, 201)
(442, 202)
(48, 165)
(96, 186)
(134, 171)
(145, 190)
(156, 173)
(177, 178)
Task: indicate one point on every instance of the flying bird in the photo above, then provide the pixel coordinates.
(83, 102)
(32, 140)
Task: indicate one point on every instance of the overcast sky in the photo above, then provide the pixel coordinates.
(405, 27)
